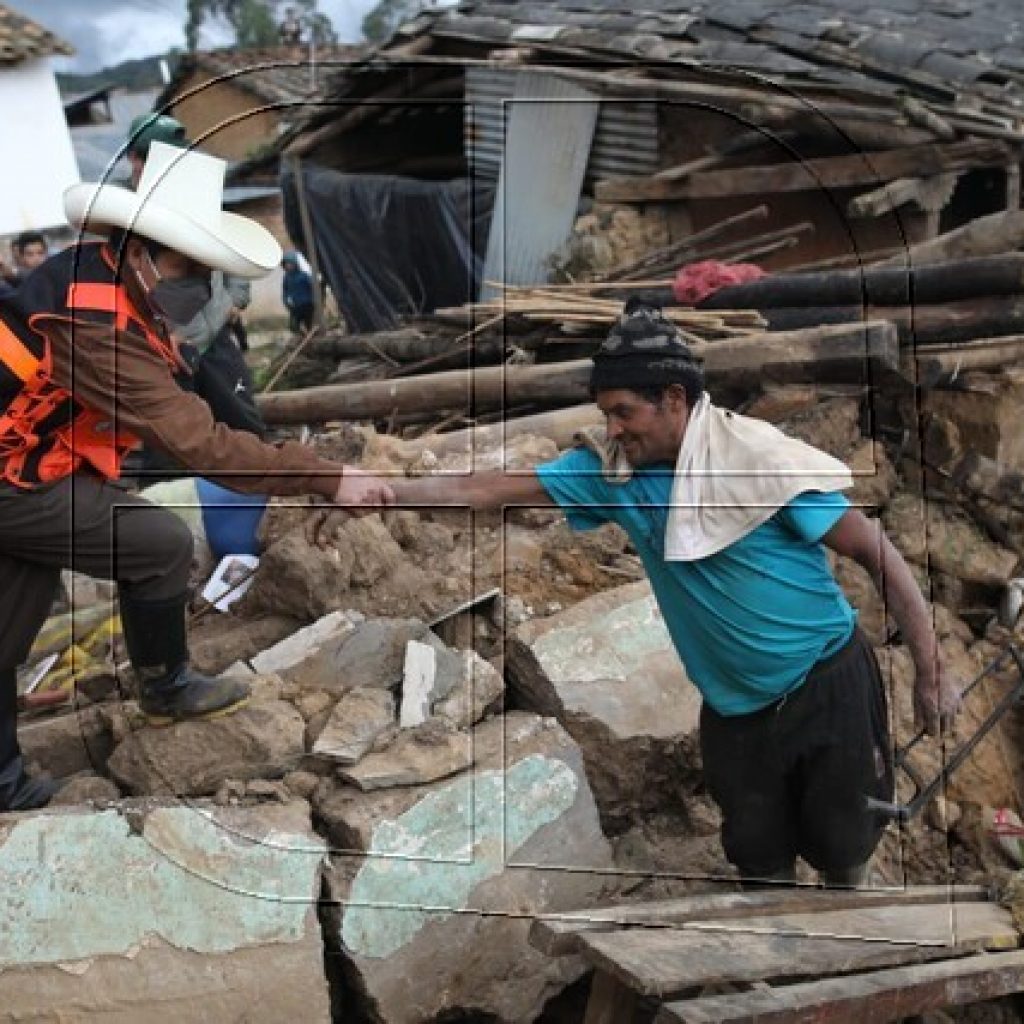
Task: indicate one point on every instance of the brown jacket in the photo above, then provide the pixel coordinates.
(117, 374)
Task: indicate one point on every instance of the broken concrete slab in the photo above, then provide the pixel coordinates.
(418, 756)
(433, 918)
(355, 723)
(263, 740)
(371, 654)
(607, 670)
(170, 912)
(418, 675)
(305, 642)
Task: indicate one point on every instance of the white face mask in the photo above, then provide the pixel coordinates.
(178, 299)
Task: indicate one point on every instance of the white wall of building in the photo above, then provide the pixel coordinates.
(38, 162)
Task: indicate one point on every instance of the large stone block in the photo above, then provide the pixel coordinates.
(262, 740)
(162, 914)
(607, 670)
(433, 917)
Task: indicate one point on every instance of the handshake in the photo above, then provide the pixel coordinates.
(358, 493)
(360, 490)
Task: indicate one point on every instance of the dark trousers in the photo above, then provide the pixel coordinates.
(300, 318)
(791, 778)
(93, 527)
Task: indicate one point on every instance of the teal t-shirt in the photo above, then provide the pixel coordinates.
(749, 622)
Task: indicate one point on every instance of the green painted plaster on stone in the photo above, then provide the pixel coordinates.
(79, 886)
(424, 865)
(611, 646)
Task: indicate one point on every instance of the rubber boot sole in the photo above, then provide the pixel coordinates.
(161, 721)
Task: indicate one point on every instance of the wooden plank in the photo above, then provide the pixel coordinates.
(558, 934)
(661, 962)
(863, 999)
(610, 1001)
(803, 175)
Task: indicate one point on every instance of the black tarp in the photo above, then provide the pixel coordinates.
(389, 246)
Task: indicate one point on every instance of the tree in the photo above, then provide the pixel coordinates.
(316, 23)
(254, 25)
(255, 22)
(380, 24)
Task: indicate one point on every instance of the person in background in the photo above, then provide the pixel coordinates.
(28, 250)
(297, 293)
(290, 29)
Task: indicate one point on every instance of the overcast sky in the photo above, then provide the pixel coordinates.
(105, 32)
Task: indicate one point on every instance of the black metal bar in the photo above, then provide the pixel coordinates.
(904, 812)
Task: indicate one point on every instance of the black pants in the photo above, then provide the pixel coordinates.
(93, 527)
(300, 318)
(791, 778)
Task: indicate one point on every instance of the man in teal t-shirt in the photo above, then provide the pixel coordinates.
(794, 727)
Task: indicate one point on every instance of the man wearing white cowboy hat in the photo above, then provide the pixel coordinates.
(86, 373)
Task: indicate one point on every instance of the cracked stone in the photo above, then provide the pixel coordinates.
(606, 668)
(483, 852)
(174, 908)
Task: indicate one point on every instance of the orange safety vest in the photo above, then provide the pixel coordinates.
(45, 433)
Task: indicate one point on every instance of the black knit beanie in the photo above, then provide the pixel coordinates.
(645, 350)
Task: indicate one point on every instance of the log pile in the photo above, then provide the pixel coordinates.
(827, 354)
(956, 301)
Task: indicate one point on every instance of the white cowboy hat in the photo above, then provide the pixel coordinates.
(178, 204)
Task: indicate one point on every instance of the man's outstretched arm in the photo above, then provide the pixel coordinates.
(480, 491)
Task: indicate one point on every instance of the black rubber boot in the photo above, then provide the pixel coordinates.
(169, 691)
(18, 790)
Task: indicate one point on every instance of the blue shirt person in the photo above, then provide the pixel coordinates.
(794, 729)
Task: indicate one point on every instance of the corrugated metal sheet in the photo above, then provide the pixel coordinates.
(625, 141)
(550, 127)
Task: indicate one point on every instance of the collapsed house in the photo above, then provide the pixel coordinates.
(862, 133)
